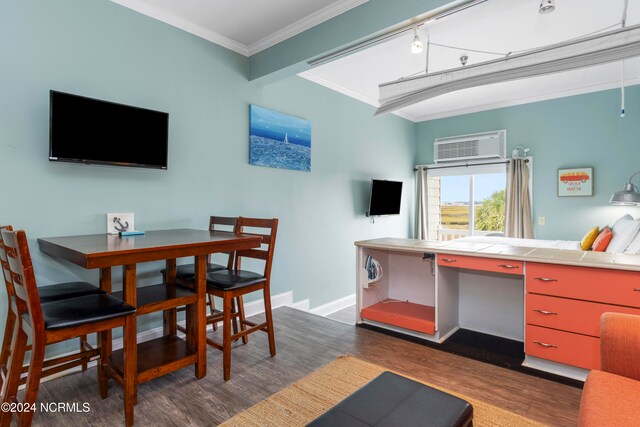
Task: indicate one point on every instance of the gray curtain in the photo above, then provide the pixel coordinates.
(518, 221)
(421, 228)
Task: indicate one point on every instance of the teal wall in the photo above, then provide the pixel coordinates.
(584, 130)
(102, 50)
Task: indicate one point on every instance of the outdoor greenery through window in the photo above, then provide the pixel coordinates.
(467, 205)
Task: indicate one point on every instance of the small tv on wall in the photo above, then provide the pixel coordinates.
(91, 131)
(385, 197)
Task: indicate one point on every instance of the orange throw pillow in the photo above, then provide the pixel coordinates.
(589, 238)
(603, 239)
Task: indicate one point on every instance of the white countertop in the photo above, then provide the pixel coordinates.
(519, 253)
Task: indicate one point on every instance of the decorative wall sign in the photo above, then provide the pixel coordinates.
(575, 182)
(279, 140)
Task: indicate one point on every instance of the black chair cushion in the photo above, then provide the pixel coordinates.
(233, 279)
(391, 400)
(82, 310)
(62, 291)
(188, 271)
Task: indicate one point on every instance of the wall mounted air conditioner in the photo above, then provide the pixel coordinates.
(486, 145)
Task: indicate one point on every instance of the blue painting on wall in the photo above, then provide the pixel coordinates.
(279, 140)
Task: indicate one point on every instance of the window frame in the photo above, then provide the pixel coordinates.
(472, 169)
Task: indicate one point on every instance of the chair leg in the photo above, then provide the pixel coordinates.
(130, 368)
(243, 327)
(104, 360)
(212, 307)
(234, 317)
(33, 380)
(226, 336)
(6, 341)
(268, 315)
(83, 340)
(16, 358)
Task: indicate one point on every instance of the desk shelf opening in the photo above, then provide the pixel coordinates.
(403, 314)
(403, 296)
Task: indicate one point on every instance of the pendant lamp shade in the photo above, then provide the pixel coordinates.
(629, 195)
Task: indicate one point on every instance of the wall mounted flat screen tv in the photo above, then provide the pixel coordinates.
(91, 131)
(385, 197)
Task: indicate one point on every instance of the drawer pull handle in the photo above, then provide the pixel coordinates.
(508, 266)
(545, 279)
(448, 260)
(636, 289)
(544, 311)
(544, 344)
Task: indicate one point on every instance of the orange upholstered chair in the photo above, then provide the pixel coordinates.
(611, 396)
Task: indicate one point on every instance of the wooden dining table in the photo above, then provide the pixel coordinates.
(168, 353)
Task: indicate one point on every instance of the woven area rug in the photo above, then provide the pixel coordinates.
(305, 400)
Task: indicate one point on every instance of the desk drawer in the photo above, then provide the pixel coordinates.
(592, 284)
(483, 264)
(569, 315)
(563, 347)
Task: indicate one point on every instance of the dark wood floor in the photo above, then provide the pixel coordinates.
(346, 315)
(305, 342)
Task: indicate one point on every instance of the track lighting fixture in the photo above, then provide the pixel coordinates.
(547, 6)
(416, 46)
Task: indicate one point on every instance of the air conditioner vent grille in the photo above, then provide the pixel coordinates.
(470, 147)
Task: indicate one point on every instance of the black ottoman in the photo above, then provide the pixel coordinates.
(395, 401)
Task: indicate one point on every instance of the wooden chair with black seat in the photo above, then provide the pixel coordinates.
(233, 284)
(185, 273)
(49, 293)
(54, 322)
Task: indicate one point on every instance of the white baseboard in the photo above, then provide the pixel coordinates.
(555, 368)
(252, 308)
(284, 299)
(333, 306)
(301, 305)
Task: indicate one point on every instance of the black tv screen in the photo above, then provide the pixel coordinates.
(385, 197)
(87, 130)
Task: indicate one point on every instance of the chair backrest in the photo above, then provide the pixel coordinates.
(224, 223)
(15, 249)
(4, 264)
(267, 228)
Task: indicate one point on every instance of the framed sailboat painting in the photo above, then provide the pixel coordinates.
(279, 140)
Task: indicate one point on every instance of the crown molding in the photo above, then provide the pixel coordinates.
(183, 24)
(348, 92)
(289, 31)
(304, 24)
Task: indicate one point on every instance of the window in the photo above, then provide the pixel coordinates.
(466, 201)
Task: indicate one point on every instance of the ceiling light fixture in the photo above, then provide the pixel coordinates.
(547, 6)
(603, 48)
(416, 46)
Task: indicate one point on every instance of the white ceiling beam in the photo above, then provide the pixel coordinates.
(589, 51)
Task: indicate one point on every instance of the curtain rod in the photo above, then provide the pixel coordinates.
(466, 165)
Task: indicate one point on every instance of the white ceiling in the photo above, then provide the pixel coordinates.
(246, 26)
(496, 26)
